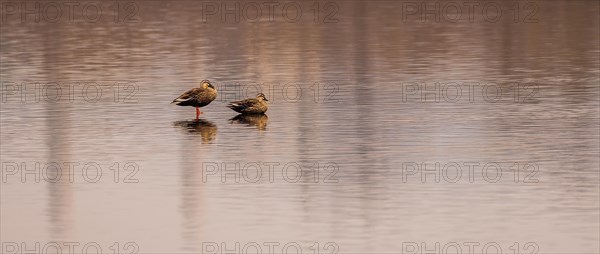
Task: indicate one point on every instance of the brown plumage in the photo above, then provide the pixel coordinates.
(250, 106)
(197, 97)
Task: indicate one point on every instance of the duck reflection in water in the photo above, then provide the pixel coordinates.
(257, 120)
(206, 129)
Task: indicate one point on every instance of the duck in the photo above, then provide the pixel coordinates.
(256, 105)
(197, 97)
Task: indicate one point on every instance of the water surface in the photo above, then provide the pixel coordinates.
(340, 98)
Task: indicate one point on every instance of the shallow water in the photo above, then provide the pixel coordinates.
(352, 106)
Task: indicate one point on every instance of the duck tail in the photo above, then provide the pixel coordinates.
(180, 100)
(235, 107)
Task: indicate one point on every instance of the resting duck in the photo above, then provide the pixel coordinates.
(197, 97)
(250, 106)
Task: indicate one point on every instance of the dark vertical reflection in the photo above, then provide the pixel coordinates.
(191, 174)
(58, 120)
(363, 98)
(199, 133)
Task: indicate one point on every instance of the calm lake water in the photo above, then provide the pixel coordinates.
(507, 158)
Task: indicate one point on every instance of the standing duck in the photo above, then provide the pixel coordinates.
(197, 97)
(250, 106)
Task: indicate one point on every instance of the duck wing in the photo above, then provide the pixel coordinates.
(243, 104)
(188, 95)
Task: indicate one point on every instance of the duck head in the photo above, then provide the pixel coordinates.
(206, 84)
(261, 97)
